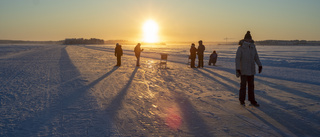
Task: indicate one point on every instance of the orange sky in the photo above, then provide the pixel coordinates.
(178, 20)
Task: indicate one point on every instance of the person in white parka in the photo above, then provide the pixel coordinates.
(246, 59)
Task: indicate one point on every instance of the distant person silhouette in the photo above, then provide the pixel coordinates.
(201, 49)
(118, 53)
(213, 58)
(246, 57)
(193, 55)
(137, 52)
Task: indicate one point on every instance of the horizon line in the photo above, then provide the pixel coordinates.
(155, 42)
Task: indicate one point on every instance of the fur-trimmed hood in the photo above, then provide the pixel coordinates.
(246, 44)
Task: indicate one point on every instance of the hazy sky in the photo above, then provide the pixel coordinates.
(178, 20)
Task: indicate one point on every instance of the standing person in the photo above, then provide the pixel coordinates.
(213, 58)
(137, 51)
(201, 49)
(246, 58)
(193, 55)
(118, 53)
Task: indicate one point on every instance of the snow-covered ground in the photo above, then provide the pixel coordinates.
(59, 90)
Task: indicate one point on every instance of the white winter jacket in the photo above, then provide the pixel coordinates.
(246, 58)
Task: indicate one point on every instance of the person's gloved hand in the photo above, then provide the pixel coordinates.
(238, 71)
(260, 69)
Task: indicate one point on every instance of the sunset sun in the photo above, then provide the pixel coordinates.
(150, 32)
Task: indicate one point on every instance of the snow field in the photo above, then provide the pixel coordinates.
(57, 90)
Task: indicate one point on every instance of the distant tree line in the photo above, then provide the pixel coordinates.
(289, 42)
(83, 41)
(119, 41)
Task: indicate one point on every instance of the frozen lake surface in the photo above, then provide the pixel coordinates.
(75, 90)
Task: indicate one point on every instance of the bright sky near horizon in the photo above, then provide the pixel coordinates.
(178, 20)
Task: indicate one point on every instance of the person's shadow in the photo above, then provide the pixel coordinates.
(108, 115)
(101, 78)
(74, 90)
(116, 103)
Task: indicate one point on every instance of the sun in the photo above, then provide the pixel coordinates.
(150, 31)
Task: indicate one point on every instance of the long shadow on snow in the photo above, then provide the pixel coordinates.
(70, 77)
(273, 85)
(269, 124)
(195, 123)
(15, 88)
(233, 71)
(288, 90)
(230, 88)
(282, 88)
(289, 121)
(116, 103)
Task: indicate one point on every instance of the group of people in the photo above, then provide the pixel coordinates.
(118, 52)
(246, 58)
(200, 52)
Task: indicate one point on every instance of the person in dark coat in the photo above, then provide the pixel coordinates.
(118, 53)
(246, 60)
(213, 58)
(201, 49)
(193, 55)
(137, 52)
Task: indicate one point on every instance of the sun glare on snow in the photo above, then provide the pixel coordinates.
(150, 31)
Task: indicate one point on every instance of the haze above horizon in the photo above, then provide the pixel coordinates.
(177, 20)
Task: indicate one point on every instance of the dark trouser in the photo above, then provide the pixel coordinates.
(200, 63)
(212, 61)
(192, 65)
(138, 60)
(118, 60)
(242, 93)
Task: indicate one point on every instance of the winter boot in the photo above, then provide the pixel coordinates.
(255, 104)
(242, 103)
